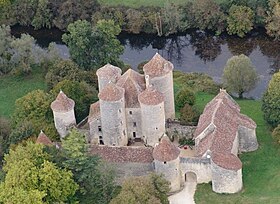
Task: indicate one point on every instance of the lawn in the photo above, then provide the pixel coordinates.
(261, 169)
(13, 87)
(138, 3)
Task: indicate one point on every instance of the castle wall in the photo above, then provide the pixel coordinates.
(153, 123)
(247, 139)
(201, 167)
(224, 180)
(95, 131)
(133, 122)
(171, 171)
(164, 84)
(113, 122)
(180, 131)
(235, 145)
(64, 120)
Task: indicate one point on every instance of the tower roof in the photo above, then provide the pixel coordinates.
(165, 150)
(227, 161)
(157, 66)
(151, 97)
(43, 139)
(108, 71)
(111, 92)
(133, 84)
(62, 103)
(94, 111)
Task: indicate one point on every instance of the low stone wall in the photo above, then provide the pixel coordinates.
(175, 129)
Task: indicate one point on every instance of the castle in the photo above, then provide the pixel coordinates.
(135, 107)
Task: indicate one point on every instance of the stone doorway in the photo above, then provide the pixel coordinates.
(190, 177)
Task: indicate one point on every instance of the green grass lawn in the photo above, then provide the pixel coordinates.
(138, 3)
(261, 169)
(12, 88)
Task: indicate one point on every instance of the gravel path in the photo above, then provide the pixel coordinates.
(185, 196)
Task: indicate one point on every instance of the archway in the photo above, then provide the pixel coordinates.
(190, 177)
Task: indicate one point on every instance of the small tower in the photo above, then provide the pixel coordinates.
(167, 162)
(63, 112)
(152, 114)
(43, 139)
(106, 74)
(112, 112)
(160, 75)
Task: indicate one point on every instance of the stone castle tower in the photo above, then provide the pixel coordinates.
(63, 112)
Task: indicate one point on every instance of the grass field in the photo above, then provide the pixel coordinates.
(12, 88)
(261, 169)
(138, 3)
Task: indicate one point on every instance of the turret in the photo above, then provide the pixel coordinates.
(112, 112)
(106, 74)
(63, 112)
(167, 162)
(158, 73)
(152, 114)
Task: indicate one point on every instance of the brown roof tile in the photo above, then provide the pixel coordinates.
(133, 84)
(62, 103)
(226, 161)
(108, 71)
(157, 66)
(165, 150)
(43, 139)
(151, 97)
(123, 154)
(94, 111)
(111, 92)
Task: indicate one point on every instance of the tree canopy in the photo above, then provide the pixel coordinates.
(240, 75)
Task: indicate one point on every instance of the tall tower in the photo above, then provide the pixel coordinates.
(106, 74)
(63, 112)
(160, 75)
(112, 112)
(167, 162)
(152, 114)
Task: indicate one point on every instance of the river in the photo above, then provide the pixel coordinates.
(194, 51)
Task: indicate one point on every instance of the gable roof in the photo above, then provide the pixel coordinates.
(43, 139)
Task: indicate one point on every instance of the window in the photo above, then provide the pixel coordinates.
(130, 112)
(134, 124)
(124, 132)
(164, 162)
(156, 128)
(134, 134)
(101, 142)
(100, 137)
(121, 122)
(114, 144)
(120, 110)
(99, 128)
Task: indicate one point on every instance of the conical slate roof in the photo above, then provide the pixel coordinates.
(108, 71)
(226, 161)
(157, 66)
(151, 97)
(111, 92)
(43, 139)
(165, 150)
(62, 103)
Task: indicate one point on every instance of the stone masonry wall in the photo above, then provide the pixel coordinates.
(247, 139)
(174, 128)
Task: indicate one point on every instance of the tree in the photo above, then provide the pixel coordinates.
(184, 96)
(5, 49)
(271, 101)
(96, 180)
(240, 76)
(188, 115)
(93, 47)
(5, 130)
(273, 19)
(82, 93)
(29, 175)
(43, 16)
(276, 134)
(240, 20)
(151, 189)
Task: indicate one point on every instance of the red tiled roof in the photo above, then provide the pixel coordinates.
(62, 103)
(43, 139)
(133, 84)
(151, 97)
(94, 111)
(226, 161)
(165, 150)
(157, 66)
(108, 71)
(111, 92)
(245, 121)
(123, 154)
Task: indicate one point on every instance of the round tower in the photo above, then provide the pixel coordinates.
(112, 112)
(152, 114)
(106, 74)
(63, 112)
(160, 75)
(167, 162)
(226, 173)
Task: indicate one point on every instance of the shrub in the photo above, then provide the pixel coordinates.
(276, 134)
(184, 96)
(189, 115)
(186, 141)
